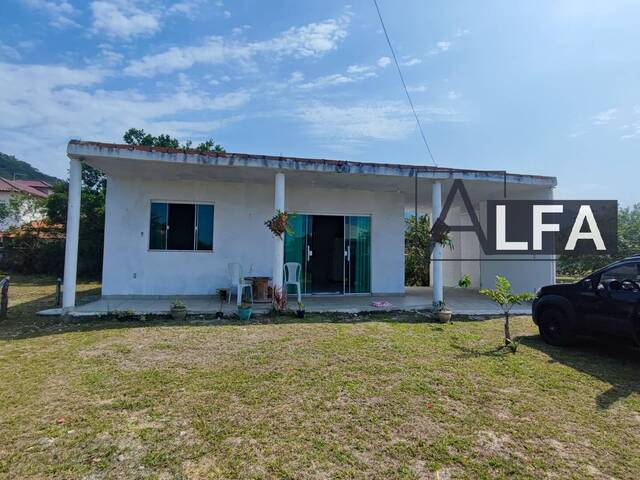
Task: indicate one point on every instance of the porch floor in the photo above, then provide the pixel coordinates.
(464, 302)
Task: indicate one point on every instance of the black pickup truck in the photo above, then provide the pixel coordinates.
(605, 302)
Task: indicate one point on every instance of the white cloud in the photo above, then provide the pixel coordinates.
(327, 81)
(189, 8)
(384, 62)
(359, 69)
(364, 121)
(605, 117)
(453, 95)
(441, 46)
(632, 129)
(122, 19)
(8, 52)
(410, 61)
(296, 77)
(377, 120)
(60, 12)
(59, 103)
(108, 56)
(354, 73)
(417, 88)
(227, 14)
(445, 45)
(312, 40)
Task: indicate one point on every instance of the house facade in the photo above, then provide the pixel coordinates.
(32, 188)
(175, 219)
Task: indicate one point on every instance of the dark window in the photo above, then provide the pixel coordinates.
(205, 227)
(629, 271)
(181, 226)
(158, 231)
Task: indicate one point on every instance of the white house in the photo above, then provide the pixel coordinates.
(175, 219)
(30, 188)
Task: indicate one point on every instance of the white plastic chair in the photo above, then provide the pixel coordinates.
(292, 277)
(237, 280)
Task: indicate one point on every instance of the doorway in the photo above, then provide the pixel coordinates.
(334, 252)
(326, 267)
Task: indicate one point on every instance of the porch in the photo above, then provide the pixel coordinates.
(460, 301)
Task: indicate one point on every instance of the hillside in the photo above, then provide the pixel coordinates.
(10, 165)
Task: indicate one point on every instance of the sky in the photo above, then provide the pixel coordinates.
(548, 87)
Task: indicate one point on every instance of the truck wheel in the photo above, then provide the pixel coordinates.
(555, 328)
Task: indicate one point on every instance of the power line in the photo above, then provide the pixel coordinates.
(404, 85)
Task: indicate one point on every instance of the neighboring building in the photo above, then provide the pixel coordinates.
(175, 219)
(33, 188)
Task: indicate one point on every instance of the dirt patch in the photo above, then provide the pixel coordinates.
(493, 444)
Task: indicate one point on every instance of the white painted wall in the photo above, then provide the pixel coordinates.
(535, 272)
(26, 216)
(525, 276)
(239, 234)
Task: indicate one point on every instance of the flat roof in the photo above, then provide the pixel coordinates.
(87, 149)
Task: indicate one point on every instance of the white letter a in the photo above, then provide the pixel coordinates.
(593, 233)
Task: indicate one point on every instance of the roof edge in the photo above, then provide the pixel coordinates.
(79, 149)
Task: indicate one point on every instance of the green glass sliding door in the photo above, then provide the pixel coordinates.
(334, 253)
(296, 247)
(357, 239)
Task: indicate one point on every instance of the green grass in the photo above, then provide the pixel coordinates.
(382, 397)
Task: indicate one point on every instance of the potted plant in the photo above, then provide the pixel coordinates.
(279, 301)
(465, 281)
(279, 224)
(439, 234)
(178, 310)
(300, 310)
(223, 295)
(441, 312)
(244, 311)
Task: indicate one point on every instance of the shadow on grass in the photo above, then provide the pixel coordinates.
(611, 360)
(467, 352)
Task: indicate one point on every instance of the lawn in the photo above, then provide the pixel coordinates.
(383, 396)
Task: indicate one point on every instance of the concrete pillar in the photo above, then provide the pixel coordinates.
(278, 248)
(438, 250)
(73, 232)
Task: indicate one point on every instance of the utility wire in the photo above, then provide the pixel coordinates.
(404, 85)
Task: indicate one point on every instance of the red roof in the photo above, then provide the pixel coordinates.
(30, 187)
(39, 228)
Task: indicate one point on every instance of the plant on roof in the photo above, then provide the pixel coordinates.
(279, 224)
(137, 136)
(506, 299)
(178, 305)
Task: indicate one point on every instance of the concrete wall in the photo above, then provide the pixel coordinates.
(525, 272)
(239, 234)
(462, 260)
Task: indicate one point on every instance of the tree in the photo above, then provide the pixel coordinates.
(503, 296)
(210, 146)
(137, 136)
(417, 242)
(628, 244)
(91, 241)
(21, 208)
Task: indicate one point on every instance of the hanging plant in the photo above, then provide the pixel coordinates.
(440, 234)
(279, 224)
